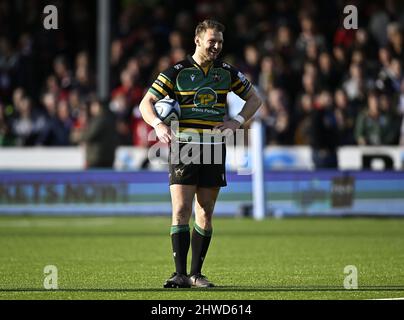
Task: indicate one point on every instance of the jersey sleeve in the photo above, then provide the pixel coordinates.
(240, 85)
(164, 84)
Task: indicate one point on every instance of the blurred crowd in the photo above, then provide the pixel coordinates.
(322, 85)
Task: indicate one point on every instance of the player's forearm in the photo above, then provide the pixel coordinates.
(251, 106)
(147, 110)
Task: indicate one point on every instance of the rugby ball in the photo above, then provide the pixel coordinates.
(167, 110)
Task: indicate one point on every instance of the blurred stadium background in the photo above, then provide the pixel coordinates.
(73, 142)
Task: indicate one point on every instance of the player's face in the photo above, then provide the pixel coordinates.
(210, 44)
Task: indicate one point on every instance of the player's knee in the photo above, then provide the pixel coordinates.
(207, 220)
(208, 206)
(204, 220)
(206, 211)
(181, 214)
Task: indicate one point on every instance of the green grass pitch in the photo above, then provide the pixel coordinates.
(130, 257)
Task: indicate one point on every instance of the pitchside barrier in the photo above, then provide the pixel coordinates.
(287, 193)
(238, 159)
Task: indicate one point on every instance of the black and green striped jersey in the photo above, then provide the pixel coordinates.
(200, 92)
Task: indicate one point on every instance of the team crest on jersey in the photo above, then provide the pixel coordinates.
(192, 76)
(217, 77)
(205, 97)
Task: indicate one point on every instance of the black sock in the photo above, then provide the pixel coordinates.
(200, 244)
(180, 240)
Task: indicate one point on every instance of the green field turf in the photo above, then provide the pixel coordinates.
(129, 258)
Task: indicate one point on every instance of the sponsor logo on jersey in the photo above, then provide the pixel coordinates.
(242, 77)
(178, 66)
(205, 97)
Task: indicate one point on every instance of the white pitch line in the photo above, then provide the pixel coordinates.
(389, 299)
(90, 222)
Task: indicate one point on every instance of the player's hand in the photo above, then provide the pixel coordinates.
(228, 127)
(163, 132)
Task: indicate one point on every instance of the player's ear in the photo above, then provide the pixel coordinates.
(197, 41)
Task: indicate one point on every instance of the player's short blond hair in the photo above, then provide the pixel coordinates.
(208, 24)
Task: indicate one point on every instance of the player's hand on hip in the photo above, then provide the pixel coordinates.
(228, 127)
(163, 132)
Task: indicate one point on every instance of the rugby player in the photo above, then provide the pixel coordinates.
(200, 84)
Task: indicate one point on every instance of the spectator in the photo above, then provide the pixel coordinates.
(177, 54)
(345, 115)
(124, 99)
(402, 133)
(6, 138)
(64, 122)
(372, 126)
(284, 43)
(384, 58)
(389, 80)
(324, 132)
(58, 124)
(311, 53)
(75, 102)
(8, 66)
(365, 43)
(121, 111)
(395, 40)
(27, 125)
(46, 136)
(18, 95)
(79, 125)
(267, 76)
(251, 62)
(308, 35)
(83, 81)
(328, 78)
(390, 120)
(354, 85)
(176, 40)
(344, 37)
(277, 118)
(117, 62)
(99, 138)
(162, 64)
(340, 60)
(309, 83)
(128, 89)
(303, 120)
(378, 24)
(62, 72)
(401, 99)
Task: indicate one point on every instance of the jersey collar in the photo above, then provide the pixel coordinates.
(204, 70)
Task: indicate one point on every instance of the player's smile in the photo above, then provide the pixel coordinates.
(213, 52)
